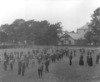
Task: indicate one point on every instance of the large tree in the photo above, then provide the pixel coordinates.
(89, 37)
(52, 34)
(94, 33)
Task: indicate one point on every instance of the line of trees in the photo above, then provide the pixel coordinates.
(31, 32)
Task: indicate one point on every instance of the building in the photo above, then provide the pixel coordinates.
(83, 30)
(79, 34)
(70, 38)
(66, 40)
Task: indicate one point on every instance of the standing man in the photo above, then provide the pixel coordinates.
(47, 65)
(6, 61)
(11, 62)
(81, 62)
(23, 61)
(91, 60)
(40, 69)
(19, 66)
(97, 59)
(70, 59)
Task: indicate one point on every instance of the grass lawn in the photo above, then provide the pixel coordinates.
(59, 72)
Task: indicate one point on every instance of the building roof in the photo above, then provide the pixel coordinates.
(75, 36)
(65, 35)
(84, 27)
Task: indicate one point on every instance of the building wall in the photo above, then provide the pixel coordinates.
(74, 36)
(82, 31)
(72, 41)
(67, 41)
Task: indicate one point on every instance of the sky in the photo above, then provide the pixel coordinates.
(71, 13)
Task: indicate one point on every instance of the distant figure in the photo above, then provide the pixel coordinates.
(83, 51)
(23, 61)
(6, 61)
(47, 65)
(0, 59)
(27, 61)
(81, 62)
(74, 52)
(19, 66)
(40, 69)
(11, 62)
(90, 61)
(5, 64)
(97, 59)
(33, 61)
(70, 59)
(80, 50)
(67, 53)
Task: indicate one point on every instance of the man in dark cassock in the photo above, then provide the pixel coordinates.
(70, 59)
(81, 62)
(23, 67)
(89, 60)
(19, 66)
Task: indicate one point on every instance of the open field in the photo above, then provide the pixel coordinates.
(59, 71)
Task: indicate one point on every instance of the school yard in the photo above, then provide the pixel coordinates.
(59, 72)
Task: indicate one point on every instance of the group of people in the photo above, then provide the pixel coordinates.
(89, 54)
(43, 58)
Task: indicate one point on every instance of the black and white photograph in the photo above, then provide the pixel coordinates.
(49, 40)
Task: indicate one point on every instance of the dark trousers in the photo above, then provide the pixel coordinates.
(40, 73)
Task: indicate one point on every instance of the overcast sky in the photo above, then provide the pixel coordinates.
(71, 13)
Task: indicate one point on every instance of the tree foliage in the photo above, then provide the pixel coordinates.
(37, 32)
(3, 37)
(93, 36)
(89, 37)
